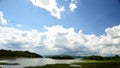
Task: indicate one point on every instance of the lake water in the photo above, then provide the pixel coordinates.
(23, 62)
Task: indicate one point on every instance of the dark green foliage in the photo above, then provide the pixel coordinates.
(61, 57)
(17, 54)
(116, 57)
(93, 58)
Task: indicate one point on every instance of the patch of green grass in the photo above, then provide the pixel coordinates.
(99, 64)
(3, 63)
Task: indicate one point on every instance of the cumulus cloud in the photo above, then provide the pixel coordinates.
(73, 5)
(111, 41)
(2, 19)
(60, 40)
(49, 5)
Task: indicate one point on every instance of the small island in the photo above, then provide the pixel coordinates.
(17, 54)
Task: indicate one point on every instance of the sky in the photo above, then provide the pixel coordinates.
(53, 27)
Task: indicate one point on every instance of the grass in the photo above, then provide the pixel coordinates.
(99, 64)
(3, 63)
(85, 64)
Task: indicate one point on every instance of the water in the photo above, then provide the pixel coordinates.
(23, 62)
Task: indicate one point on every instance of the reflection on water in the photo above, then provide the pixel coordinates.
(33, 62)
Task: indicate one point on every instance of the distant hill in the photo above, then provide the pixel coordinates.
(18, 54)
(60, 57)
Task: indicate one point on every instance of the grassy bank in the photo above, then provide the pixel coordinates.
(99, 64)
(85, 64)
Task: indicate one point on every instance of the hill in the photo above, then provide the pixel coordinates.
(18, 54)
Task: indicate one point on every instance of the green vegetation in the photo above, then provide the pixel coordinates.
(61, 57)
(93, 58)
(18, 54)
(3, 63)
(99, 64)
(116, 57)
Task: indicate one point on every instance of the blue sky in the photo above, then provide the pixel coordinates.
(90, 16)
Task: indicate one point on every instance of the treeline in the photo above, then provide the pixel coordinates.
(18, 54)
(60, 57)
(116, 57)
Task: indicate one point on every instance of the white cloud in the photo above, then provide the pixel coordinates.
(18, 25)
(111, 41)
(49, 5)
(2, 19)
(73, 5)
(60, 40)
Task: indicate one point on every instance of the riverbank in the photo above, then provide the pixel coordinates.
(84, 64)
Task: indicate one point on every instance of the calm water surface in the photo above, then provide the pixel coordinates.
(23, 62)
